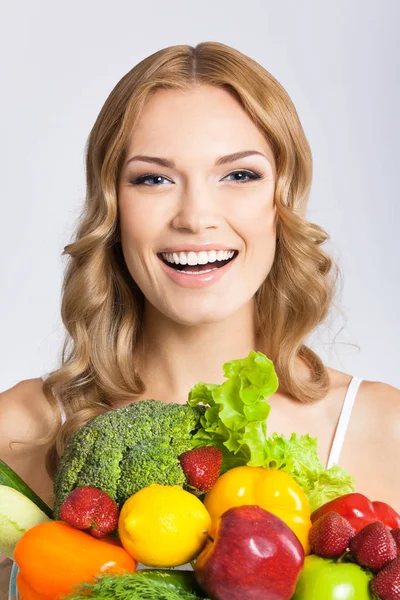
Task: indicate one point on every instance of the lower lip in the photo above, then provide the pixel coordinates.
(197, 280)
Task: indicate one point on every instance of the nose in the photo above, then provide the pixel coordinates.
(197, 210)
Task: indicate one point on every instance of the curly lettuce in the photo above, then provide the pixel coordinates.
(236, 423)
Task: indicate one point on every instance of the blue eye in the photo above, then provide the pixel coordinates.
(252, 176)
(141, 180)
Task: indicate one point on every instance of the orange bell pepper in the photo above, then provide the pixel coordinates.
(271, 489)
(54, 557)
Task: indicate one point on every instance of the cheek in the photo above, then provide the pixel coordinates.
(139, 224)
(138, 233)
(257, 226)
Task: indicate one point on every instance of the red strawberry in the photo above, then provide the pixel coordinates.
(396, 534)
(201, 467)
(91, 509)
(373, 546)
(330, 535)
(386, 584)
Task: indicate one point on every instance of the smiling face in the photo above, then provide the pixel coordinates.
(198, 231)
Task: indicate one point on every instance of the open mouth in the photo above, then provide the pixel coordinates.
(198, 262)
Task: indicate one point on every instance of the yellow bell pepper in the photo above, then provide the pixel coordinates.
(271, 489)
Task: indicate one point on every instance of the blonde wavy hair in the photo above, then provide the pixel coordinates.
(102, 307)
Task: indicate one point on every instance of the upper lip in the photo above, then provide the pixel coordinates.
(195, 248)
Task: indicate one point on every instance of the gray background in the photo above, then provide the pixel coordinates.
(338, 61)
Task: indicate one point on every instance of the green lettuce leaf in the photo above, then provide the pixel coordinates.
(236, 419)
(298, 456)
(236, 423)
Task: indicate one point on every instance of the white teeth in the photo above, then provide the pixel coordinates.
(197, 258)
(202, 258)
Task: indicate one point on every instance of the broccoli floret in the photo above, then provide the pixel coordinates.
(124, 450)
(148, 464)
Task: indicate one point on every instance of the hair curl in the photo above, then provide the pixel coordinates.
(102, 308)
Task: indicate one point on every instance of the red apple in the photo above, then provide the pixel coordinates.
(254, 555)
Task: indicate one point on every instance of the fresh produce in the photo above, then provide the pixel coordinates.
(330, 535)
(163, 526)
(179, 581)
(254, 555)
(17, 514)
(373, 546)
(202, 467)
(275, 491)
(90, 509)
(386, 584)
(324, 579)
(151, 584)
(396, 535)
(127, 449)
(260, 491)
(10, 478)
(359, 511)
(385, 513)
(53, 557)
(236, 423)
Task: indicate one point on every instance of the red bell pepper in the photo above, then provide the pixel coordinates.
(386, 514)
(359, 511)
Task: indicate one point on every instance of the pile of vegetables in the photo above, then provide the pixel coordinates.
(154, 584)
(126, 449)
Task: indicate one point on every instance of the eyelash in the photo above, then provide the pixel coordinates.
(253, 176)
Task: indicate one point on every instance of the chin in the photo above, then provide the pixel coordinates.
(200, 313)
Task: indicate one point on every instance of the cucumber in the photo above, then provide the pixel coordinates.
(178, 581)
(17, 514)
(11, 479)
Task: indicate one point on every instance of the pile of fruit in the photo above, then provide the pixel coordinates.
(168, 502)
(355, 550)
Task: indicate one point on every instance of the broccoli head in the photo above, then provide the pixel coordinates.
(123, 450)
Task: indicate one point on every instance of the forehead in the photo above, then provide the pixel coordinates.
(202, 122)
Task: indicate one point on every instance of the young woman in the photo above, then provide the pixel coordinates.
(194, 248)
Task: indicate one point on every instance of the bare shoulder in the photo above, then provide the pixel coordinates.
(372, 444)
(27, 401)
(378, 406)
(378, 394)
(338, 379)
(25, 416)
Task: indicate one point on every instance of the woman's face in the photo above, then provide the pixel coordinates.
(198, 229)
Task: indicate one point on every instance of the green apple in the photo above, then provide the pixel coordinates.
(322, 578)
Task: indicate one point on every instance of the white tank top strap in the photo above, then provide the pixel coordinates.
(63, 416)
(343, 422)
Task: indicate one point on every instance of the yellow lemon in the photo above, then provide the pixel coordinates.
(163, 526)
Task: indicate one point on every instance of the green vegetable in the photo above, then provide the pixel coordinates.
(149, 584)
(236, 423)
(178, 580)
(124, 450)
(17, 514)
(10, 478)
(298, 456)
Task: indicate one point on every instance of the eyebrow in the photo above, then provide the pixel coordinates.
(222, 160)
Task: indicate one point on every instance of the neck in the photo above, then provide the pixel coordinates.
(171, 358)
